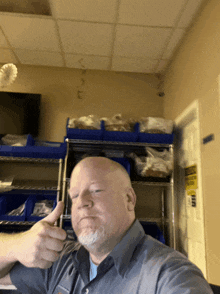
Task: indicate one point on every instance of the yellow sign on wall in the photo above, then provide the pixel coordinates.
(191, 177)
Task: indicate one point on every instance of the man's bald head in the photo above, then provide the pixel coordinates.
(103, 202)
(105, 165)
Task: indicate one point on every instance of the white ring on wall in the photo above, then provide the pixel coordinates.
(8, 74)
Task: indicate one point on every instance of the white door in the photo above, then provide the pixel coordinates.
(189, 194)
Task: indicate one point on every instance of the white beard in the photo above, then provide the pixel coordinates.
(91, 239)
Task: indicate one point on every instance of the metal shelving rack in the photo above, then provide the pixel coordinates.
(75, 146)
(31, 186)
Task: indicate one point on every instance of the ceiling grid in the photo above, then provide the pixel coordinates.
(114, 35)
(118, 35)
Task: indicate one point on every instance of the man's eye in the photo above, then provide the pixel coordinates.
(97, 191)
(74, 196)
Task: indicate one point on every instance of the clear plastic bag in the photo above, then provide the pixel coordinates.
(155, 164)
(18, 211)
(117, 123)
(90, 122)
(6, 184)
(14, 140)
(156, 125)
(43, 208)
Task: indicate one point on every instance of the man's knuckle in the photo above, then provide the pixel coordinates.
(60, 233)
(61, 245)
(57, 255)
(43, 230)
(32, 261)
(45, 265)
(53, 256)
(37, 244)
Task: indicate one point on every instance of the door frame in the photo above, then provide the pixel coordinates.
(189, 114)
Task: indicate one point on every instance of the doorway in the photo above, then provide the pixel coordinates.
(188, 189)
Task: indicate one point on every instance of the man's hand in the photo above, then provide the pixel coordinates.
(41, 245)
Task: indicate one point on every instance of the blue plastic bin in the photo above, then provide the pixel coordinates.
(155, 138)
(121, 136)
(152, 229)
(49, 152)
(31, 204)
(81, 134)
(53, 150)
(7, 150)
(10, 202)
(124, 162)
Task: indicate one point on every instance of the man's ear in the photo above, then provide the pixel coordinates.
(131, 199)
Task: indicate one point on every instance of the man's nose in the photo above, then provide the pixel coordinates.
(85, 199)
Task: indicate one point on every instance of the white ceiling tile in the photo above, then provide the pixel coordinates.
(86, 10)
(133, 64)
(30, 32)
(3, 42)
(144, 37)
(87, 62)
(86, 38)
(173, 43)
(189, 12)
(162, 66)
(140, 41)
(7, 56)
(150, 12)
(39, 57)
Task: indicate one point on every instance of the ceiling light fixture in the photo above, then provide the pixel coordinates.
(8, 74)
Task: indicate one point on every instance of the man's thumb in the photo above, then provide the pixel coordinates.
(55, 214)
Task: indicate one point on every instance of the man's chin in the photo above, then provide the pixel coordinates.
(90, 238)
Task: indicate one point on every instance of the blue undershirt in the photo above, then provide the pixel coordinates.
(93, 270)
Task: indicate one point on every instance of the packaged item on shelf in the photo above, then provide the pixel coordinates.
(155, 164)
(156, 125)
(32, 148)
(117, 123)
(13, 206)
(43, 207)
(17, 211)
(90, 122)
(6, 184)
(14, 140)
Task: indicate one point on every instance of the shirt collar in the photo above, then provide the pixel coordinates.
(81, 256)
(123, 251)
(121, 254)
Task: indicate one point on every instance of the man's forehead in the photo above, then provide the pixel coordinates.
(91, 175)
(100, 168)
(95, 164)
(97, 161)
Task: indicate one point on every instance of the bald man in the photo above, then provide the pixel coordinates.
(114, 256)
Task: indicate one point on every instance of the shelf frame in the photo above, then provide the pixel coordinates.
(95, 142)
(29, 159)
(76, 145)
(20, 188)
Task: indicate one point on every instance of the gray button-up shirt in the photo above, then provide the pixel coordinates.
(139, 264)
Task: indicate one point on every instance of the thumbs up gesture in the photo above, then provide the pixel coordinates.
(41, 245)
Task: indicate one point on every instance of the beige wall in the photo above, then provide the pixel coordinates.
(194, 75)
(102, 93)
